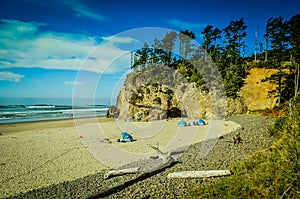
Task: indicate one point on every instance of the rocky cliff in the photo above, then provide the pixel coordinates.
(159, 93)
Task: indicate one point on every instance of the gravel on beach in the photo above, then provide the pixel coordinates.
(255, 137)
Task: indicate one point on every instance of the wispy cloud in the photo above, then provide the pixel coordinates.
(185, 25)
(9, 76)
(77, 83)
(115, 39)
(82, 10)
(22, 44)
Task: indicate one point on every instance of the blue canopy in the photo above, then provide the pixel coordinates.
(126, 137)
(201, 122)
(182, 123)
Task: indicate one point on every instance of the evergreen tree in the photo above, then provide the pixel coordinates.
(142, 57)
(185, 38)
(235, 34)
(278, 37)
(168, 47)
(210, 37)
(294, 26)
(231, 64)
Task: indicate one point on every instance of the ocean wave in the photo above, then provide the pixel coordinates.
(35, 112)
(40, 106)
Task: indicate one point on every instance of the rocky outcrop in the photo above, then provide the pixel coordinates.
(112, 112)
(159, 93)
(236, 106)
(146, 102)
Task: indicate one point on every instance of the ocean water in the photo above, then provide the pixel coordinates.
(38, 109)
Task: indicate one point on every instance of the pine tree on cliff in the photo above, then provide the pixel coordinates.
(232, 68)
(278, 36)
(294, 40)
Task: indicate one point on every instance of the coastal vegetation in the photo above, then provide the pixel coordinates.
(226, 47)
(273, 172)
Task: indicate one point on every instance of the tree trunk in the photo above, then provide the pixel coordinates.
(296, 80)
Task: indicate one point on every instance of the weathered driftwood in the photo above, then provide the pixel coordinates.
(163, 156)
(111, 173)
(166, 158)
(199, 174)
(167, 161)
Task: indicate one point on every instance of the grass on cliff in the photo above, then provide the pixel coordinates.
(270, 173)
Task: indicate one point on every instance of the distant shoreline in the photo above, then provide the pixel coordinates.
(6, 128)
(47, 120)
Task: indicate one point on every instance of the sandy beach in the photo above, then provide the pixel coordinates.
(38, 154)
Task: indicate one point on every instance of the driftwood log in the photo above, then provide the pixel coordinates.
(111, 173)
(199, 174)
(166, 161)
(166, 158)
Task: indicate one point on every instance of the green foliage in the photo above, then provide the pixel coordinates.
(279, 124)
(268, 173)
(234, 80)
(294, 29)
(282, 35)
(226, 47)
(235, 34)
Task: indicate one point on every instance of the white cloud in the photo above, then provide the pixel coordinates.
(115, 39)
(22, 44)
(9, 76)
(81, 9)
(186, 25)
(82, 12)
(78, 83)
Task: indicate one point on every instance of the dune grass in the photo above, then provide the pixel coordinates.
(270, 173)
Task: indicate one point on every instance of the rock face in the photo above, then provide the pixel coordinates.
(112, 112)
(159, 93)
(142, 99)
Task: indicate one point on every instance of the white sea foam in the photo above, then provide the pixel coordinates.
(35, 112)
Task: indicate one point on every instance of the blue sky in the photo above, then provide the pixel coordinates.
(55, 48)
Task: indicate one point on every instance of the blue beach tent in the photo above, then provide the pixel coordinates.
(182, 123)
(201, 122)
(126, 137)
